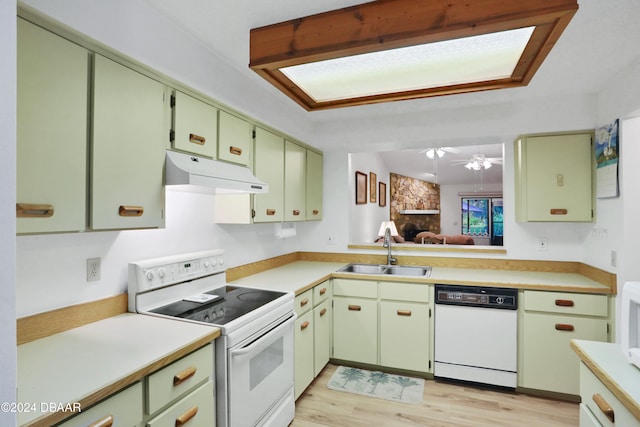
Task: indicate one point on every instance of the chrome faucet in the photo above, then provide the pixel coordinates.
(387, 244)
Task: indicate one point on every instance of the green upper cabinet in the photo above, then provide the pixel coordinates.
(128, 148)
(554, 177)
(269, 167)
(235, 139)
(52, 89)
(295, 161)
(314, 185)
(195, 125)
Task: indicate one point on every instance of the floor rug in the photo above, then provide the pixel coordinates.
(377, 384)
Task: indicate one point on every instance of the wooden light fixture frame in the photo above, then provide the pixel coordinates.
(389, 24)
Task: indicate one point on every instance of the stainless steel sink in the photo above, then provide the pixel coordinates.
(408, 270)
(394, 270)
(364, 269)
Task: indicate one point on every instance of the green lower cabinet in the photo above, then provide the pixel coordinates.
(404, 335)
(355, 329)
(322, 336)
(303, 338)
(549, 321)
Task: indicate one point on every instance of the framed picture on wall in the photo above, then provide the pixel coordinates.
(361, 188)
(372, 187)
(382, 196)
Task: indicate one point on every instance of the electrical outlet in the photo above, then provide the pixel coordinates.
(542, 244)
(93, 269)
(331, 240)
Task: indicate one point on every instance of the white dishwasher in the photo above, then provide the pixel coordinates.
(476, 334)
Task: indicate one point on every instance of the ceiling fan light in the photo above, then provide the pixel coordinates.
(430, 153)
(486, 163)
(440, 152)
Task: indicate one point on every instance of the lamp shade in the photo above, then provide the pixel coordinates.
(388, 224)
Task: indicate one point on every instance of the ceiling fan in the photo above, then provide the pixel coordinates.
(439, 151)
(478, 162)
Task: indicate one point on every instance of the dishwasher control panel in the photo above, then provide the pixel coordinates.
(477, 296)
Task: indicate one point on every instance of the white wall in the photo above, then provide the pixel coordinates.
(7, 212)
(365, 220)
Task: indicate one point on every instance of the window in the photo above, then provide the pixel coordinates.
(482, 218)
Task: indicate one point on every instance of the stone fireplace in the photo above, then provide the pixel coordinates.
(407, 193)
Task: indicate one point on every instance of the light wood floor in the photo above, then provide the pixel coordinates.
(444, 405)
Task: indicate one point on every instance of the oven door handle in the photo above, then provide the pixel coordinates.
(258, 342)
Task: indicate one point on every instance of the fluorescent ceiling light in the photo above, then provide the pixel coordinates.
(393, 50)
(450, 62)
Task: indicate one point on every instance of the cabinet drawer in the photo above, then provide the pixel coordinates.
(122, 409)
(566, 303)
(355, 288)
(197, 409)
(321, 292)
(600, 401)
(404, 292)
(178, 378)
(303, 302)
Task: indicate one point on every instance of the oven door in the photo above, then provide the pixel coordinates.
(261, 374)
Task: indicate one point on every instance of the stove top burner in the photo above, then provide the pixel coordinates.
(232, 303)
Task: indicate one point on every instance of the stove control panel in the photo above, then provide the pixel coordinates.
(160, 272)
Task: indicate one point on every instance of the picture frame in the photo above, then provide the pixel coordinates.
(361, 188)
(373, 180)
(382, 194)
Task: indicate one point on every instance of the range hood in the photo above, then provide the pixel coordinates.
(201, 175)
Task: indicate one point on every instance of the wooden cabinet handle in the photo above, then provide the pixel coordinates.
(323, 291)
(606, 409)
(316, 211)
(186, 416)
(404, 312)
(304, 302)
(564, 327)
(271, 212)
(130, 210)
(33, 210)
(197, 139)
(296, 212)
(323, 312)
(558, 211)
(304, 325)
(236, 151)
(103, 422)
(354, 307)
(564, 303)
(182, 376)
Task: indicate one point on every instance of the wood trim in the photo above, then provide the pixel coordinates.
(236, 273)
(42, 325)
(382, 25)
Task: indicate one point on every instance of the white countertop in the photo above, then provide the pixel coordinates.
(299, 276)
(82, 364)
(608, 363)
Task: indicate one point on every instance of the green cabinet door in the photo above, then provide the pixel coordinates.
(303, 350)
(295, 182)
(269, 167)
(322, 315)
(314, 185)
(554, 176)
(195, 125)
(404, 335)
(355, 329)
(52, 90)
(235, 139)
(128, 148)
